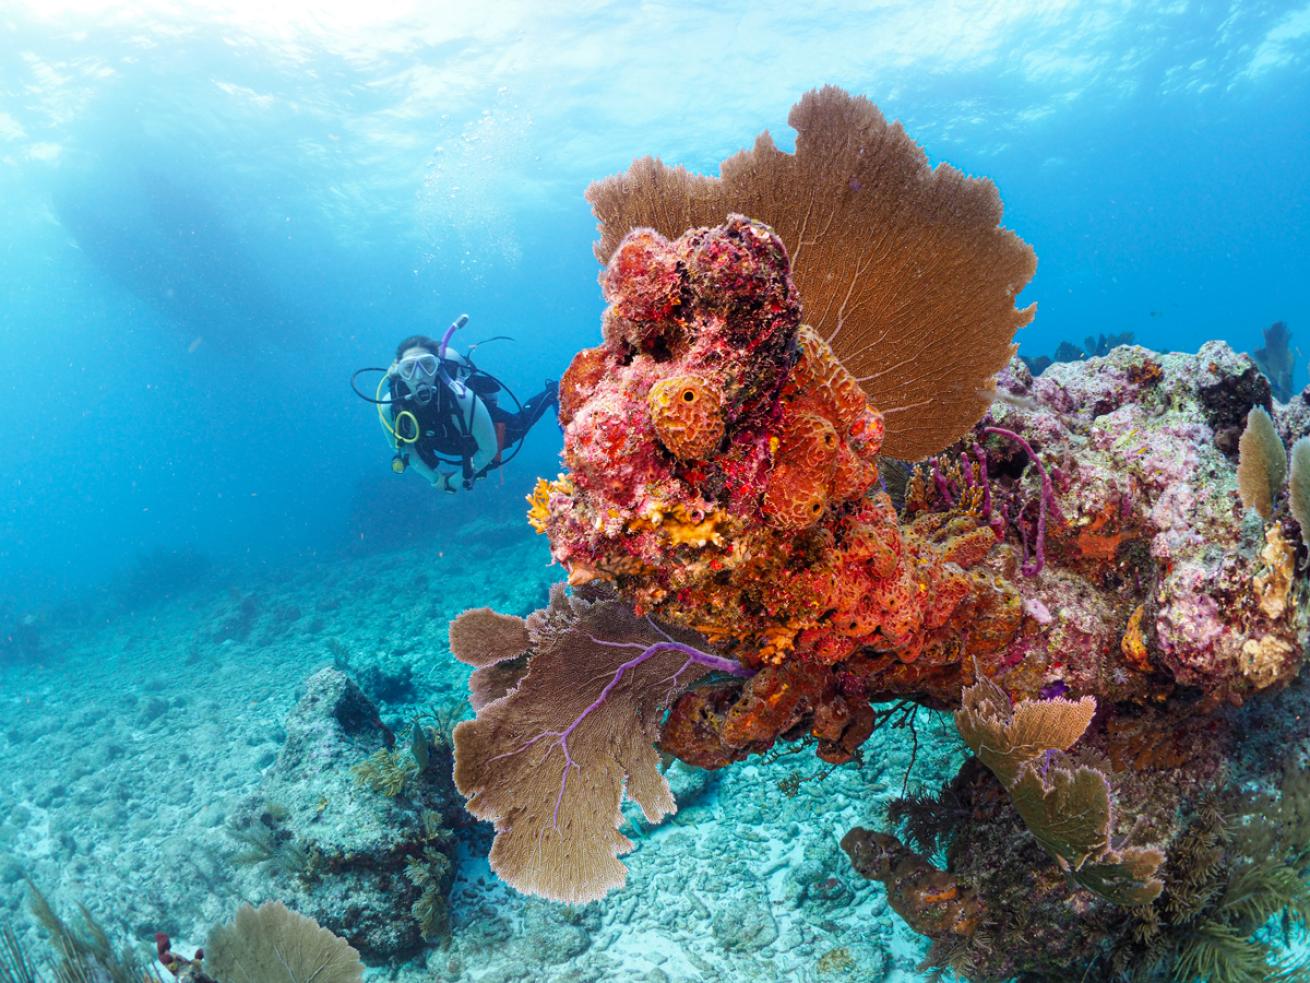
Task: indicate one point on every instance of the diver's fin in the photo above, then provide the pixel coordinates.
(444, 482)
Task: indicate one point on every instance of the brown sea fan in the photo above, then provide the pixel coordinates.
(1298, 486)
(903, 268)
(1068, 808)
(547, 760)
(271, 944)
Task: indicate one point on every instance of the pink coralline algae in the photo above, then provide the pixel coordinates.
(1154, 567)
(723, 465)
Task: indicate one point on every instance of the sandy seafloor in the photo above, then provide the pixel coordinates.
(125, 748)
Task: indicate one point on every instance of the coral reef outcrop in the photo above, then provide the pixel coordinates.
(753, 513)
(371, 862)
(1068, 561)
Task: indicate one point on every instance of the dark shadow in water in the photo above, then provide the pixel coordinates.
(164, 237)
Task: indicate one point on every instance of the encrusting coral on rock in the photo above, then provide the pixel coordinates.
(1069, 565)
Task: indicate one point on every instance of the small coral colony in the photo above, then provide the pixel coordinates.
(807, 485)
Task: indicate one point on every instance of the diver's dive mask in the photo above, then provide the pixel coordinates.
(418, 366)
(419, 374)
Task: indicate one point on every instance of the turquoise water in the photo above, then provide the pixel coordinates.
(292, 192)
(214, 214)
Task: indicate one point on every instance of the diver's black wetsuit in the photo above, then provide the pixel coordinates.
(444, 441)
(518, 424)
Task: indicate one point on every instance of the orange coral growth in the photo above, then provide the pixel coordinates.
(1133, 644)
(687, 415)
(714, 726)
(751, 511)
(903, 267)
(644, 261)
(821, 379)
(692, 728)
(795, 496)
(586, 369)
(1098, 539)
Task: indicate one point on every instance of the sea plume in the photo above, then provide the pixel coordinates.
(903, 268)
(1262, 463)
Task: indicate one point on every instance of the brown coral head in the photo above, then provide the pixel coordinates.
(931, 901)
(902, 267)
(872, 853)
(687, 413)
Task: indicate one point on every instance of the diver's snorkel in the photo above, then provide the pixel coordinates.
(454, 385)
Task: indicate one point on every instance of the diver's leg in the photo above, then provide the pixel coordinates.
(533, 410)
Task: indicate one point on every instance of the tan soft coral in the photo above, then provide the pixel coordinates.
(904, 269)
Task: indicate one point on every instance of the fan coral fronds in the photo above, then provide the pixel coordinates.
(273, 943)
(483, 637)
(549, 761)
(81, 953)
(1068, 808)
(1262, 463)
(1007, 738)
(1298, 487)
(903, 267)
(495, 644)
(1277, 359)
(386, 771)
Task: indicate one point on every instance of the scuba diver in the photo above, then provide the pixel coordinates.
(442, 414)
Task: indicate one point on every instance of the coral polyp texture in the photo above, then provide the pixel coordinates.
(723, 467)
